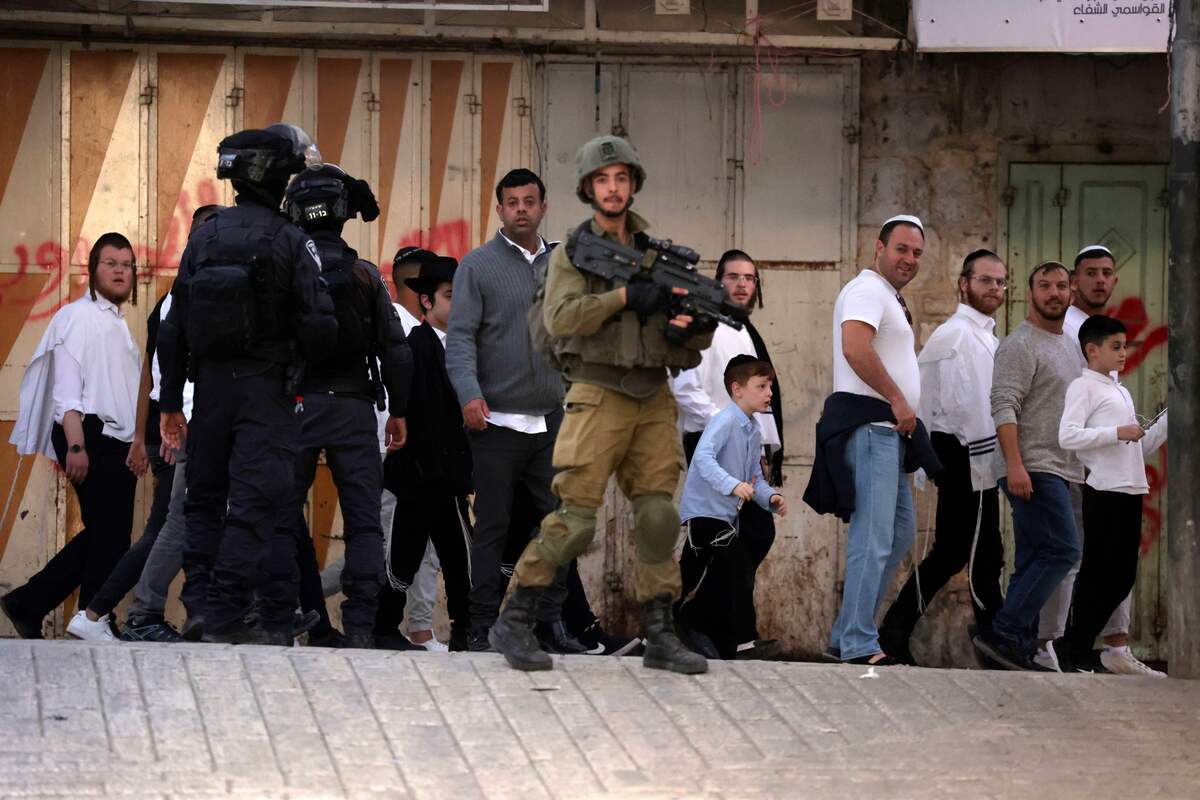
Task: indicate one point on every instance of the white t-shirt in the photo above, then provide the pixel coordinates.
(1072, 322)
(871, 299)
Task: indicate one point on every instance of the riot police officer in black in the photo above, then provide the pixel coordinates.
(338, 395)
(247, 307)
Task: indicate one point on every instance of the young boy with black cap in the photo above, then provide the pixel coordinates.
(431, 474)
(726, 471)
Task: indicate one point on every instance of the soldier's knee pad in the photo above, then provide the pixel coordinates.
(656, 527)
(567, 533)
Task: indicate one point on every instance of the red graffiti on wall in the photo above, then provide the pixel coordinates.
(446, 239)
(1132, 312)
(1152, 518)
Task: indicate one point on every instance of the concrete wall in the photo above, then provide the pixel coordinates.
(938, 133)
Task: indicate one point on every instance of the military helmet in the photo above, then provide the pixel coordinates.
(604, 151)
(266, 156)
(323, 194)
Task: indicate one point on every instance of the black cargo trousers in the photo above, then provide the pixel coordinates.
(345, 427)
(240, 471)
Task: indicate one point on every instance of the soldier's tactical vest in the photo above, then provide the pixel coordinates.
(237, 300)
(353, 289)
(622, 342)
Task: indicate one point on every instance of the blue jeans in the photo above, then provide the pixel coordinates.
(882, 528)
(1047, 546)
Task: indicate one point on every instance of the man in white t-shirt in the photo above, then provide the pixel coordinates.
(874, 357)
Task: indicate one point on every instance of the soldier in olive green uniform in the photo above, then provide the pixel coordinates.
(612, 344)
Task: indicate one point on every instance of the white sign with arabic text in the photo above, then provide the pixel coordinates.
(1065, 26)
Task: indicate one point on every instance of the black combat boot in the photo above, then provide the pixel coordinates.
(663, 648)
(512, 634)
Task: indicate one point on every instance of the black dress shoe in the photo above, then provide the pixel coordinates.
(1006, 654)
(555, 638)
(392, 641)
(478, 643)
(330, 638)
(761, 650)
(26, 626)
(883, 660)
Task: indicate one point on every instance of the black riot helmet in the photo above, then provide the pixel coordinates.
(323, 196)
(265, 158)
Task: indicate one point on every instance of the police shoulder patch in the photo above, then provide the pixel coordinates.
(312, 251)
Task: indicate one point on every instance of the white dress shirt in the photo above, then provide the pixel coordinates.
(1095, 406)
(189, 388)
(86, 361)
(530, 255)
(956, 385)
(700, 392)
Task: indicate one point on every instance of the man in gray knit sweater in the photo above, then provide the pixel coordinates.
(1034, 366)
(511, 396)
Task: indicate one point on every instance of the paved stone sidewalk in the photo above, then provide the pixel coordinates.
(82, 720)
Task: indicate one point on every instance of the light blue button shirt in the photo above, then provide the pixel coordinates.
(728, 454)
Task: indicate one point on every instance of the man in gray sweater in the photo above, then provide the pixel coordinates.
(1034, 366)
(511, 396)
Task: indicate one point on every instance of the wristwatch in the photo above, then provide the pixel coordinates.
(76, 448)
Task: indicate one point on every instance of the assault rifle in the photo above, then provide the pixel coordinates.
(669, 266)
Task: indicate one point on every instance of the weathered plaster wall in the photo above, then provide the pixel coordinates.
(938, 133)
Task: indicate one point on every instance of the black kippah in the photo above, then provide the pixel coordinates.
(740, 359)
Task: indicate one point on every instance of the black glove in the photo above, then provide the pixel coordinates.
(644, 297)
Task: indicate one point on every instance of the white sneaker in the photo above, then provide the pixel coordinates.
(1046, 657)
(434, 646)
(1122, 661)
(83, 628)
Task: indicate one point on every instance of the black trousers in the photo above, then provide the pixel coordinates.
(756, 531)
(428, 513)
(718, 590)
(128, 570)
(958, 509)
(345, 428)
(240, 473)
(1113, 522)
(106, 505)
(504, 459)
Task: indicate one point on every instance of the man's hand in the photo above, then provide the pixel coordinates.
(906, 418)
(173, 427)
(76, 466)
(1019, 483)
(167, 453)
(1130, 433)
(779, 504)
(744, 491)
(395, 433)
(137, 460)
(475, 414)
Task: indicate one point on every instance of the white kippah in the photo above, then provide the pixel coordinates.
(909, 218)
(1092, 247)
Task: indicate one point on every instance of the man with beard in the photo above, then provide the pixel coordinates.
(701, 395)
(1034, 367)
(1092, 284)
(78, 406)
(956, 386)
(616, 344)
(869, 436)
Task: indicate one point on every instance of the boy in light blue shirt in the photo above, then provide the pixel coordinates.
(726, 471)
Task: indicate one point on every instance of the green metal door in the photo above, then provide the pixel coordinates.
(1055, 210)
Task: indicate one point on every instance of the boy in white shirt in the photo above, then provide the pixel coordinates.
(1099, 424)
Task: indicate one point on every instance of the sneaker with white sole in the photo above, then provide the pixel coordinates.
(434, 646)
(1122, 661)
(83, 628)
(1047, 658)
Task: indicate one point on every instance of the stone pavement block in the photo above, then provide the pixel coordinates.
(196, 721)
